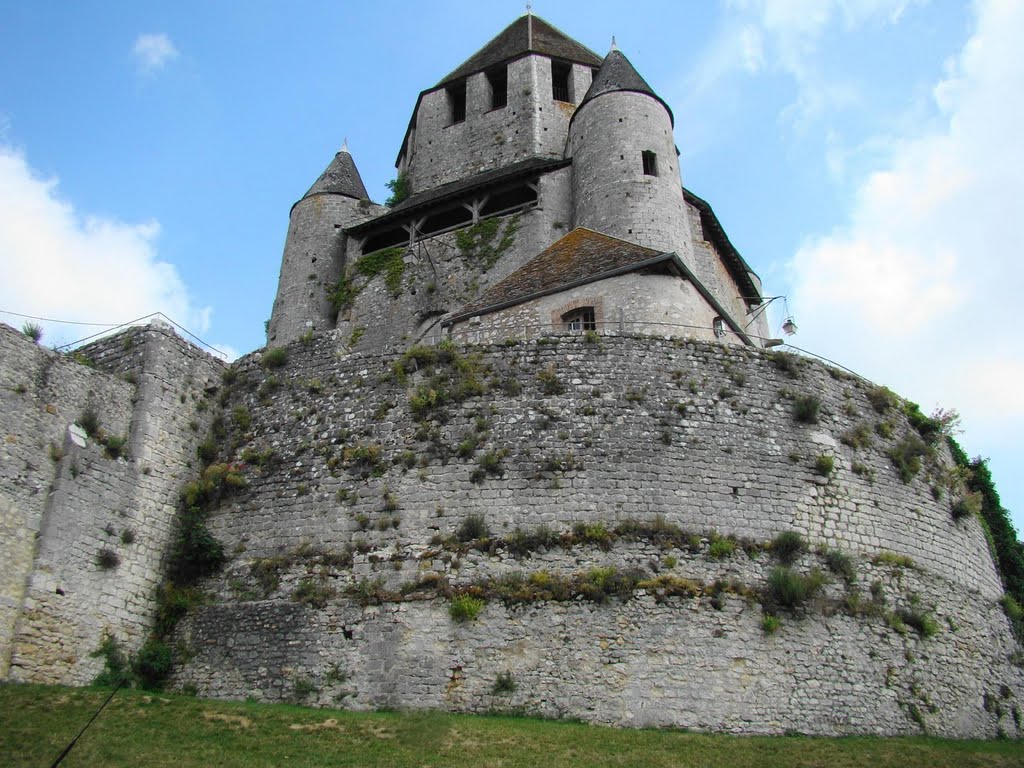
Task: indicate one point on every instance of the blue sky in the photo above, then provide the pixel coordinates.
(865, 156)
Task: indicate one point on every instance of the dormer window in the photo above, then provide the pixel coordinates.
(582, 319)
(456, 103)
(497, 80)
(650, 161)
(561, 77)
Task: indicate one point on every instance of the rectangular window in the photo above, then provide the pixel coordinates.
(650, 161)
(561, 75)
(456, 103)
(497, 79)
(582, 319)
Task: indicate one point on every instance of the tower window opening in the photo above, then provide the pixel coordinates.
(561, 74)
(497, 79)
(650, 161)
(718, 326)
(582, 319)
(456, 103)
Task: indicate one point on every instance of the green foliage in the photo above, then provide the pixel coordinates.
(893, 559)
(342, 294)
(787, 363)
(400, 189)
(522, 544)
(928, 428)
(906, 456)
(550, 384)
(456, 378)
(206, 451)
(387, 261)
(504, 683)
(364, 460)
(313, 592)
(882, 399)
(489, 463)
(275, 357)
(172, 603)
(90, 422)
(107, 559)
(841, 564)
(465, 608)
(152, 664)
(1008, 551)
(598, 584)
(924, 624)
(858, 437)
(968, 505)
(789, 589)
(116, 667)
(33, 330)
(471, 528)
(788, 546)
(195, 552)
(114, 445)
(770, 624)
(806, 408)
(477, 242)
(592, 533)
(825, 465)
(720, 547)
(241, 417)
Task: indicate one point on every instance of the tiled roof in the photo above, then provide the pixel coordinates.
(579, 257)
(618, 74)
(527, 34)
(340, 178)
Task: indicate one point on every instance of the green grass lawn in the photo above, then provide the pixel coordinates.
(146, 729)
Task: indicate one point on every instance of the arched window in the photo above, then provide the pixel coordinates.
(581, 319)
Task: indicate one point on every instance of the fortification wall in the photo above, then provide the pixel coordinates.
(567, 457)
(87, 520)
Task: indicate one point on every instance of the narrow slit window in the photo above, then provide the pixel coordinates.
(650, 161)
(581, 319)
(560, 76)
(718, 326)
(497, 79)
(457, 103)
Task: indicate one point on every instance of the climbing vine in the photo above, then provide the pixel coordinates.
(480, 242)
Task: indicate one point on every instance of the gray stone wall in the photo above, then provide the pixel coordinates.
(532, 124)
(90, 526)
(344, 562)
(611, 194)
(315, 253)
(636, 303)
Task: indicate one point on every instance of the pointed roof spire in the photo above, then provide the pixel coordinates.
(341, 178)
(617, 74)
(344, 146)
(614, 46)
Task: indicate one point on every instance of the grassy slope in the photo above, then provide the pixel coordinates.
(168, 730)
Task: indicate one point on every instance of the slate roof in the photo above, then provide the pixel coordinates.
(455, 189)
(715, 233)
(527, 34)
(618, 74)
(341, 178)
(582, 256)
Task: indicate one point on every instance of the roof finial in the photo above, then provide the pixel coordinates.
(529, 26)
(614, 46)
(529, 8)
(344, 146)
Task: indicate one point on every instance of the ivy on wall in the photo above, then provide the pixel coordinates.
(481, 243)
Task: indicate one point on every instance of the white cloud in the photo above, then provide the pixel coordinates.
(60, 264)
(153, 52)
(920, 288)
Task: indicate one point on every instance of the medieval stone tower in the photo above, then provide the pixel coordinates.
(515, 444)
(540, 138)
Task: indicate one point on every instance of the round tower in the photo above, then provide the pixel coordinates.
(314, 251)
(625, 172)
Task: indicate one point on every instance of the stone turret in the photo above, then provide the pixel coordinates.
(625, 179)
(314, 250)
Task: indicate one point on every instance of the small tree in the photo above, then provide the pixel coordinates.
(400, 189)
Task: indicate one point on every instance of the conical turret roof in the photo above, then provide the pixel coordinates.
(618, 74)
(341, 178)
(527, 34)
